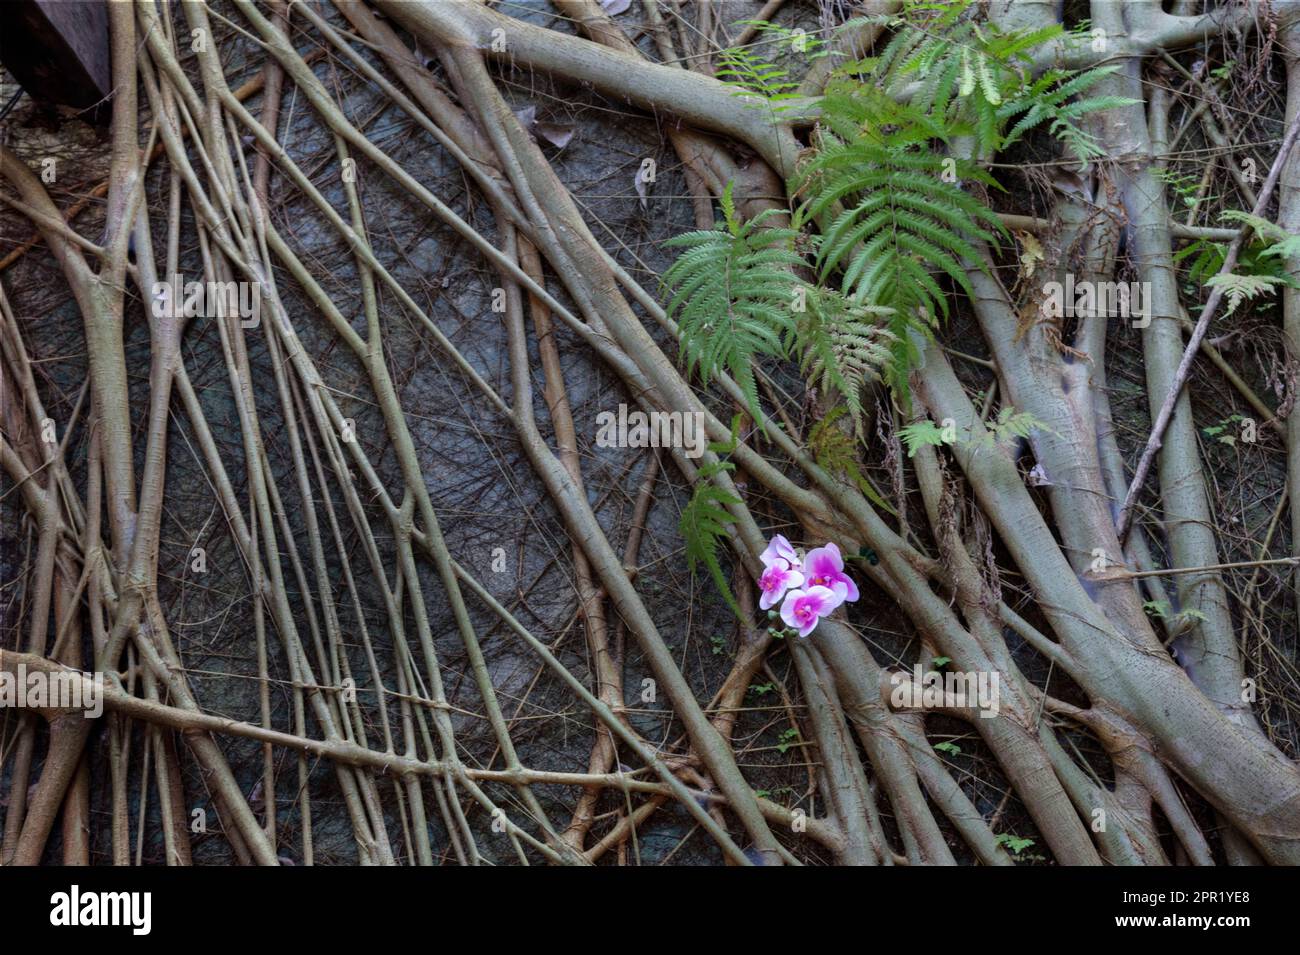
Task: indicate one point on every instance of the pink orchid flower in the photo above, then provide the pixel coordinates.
(803, 608)
(824, 567)
(779, 577)
(779, 549)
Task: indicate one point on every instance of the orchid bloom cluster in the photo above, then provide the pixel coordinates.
(812, 586)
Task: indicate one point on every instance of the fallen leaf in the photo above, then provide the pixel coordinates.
(557, 134)
(640, 184)
(527, 117)
(1031, 254)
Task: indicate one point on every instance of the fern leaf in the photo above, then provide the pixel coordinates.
(835, 451)
(922, 433)
(731, 296)
(844, 346)
(1280, 243)
(1240, 288)
(703, 526)
(901, 225)
(705, 519)
(1262, 227)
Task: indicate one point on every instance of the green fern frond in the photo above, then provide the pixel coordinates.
(961, 70)
(705, 519)
(850, 109)
(844, 346)
(752, 76)
(1010, 425)
(1206, 259)
(897, 217)
(1266, 230)
(1285, 248)
(901, 223)
(1279, 243)
(943, 51)
(1264, 258)
(835, 452)
(732, 295)
(704, 524)
(1050, 99)
(1240, 288)
(921, 433)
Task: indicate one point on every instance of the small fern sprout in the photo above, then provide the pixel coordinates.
(1010, 426)
(925, 433)
(749, 73)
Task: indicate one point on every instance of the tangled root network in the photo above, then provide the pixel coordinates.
(694, 432)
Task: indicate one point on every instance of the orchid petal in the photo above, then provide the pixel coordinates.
(779, 549)
(787, 609)
(821, 600)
